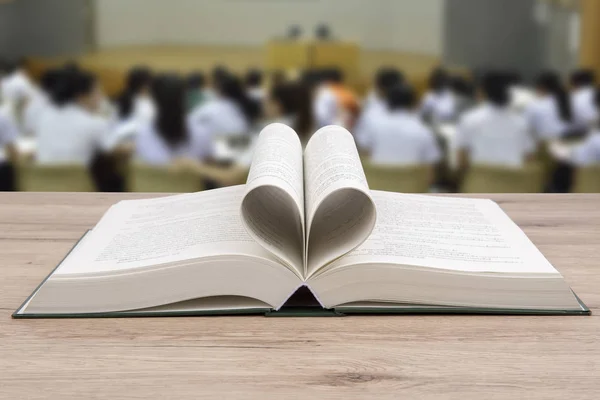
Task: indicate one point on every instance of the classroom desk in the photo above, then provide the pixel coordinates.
(424, 357)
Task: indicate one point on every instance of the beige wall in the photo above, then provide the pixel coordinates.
(405, 25)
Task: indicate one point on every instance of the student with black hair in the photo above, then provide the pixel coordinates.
(400, 137)
(464, 94)
(71, 132)
(16, 86)
(8, 153)
(170, 136)
(254, 85)
(551, 115)
(583, 84)
(439, 104)
(230, 113)
(492, 133)
(41, 101)
(289, 104)
(375, 106)
(588, 153)
(334, 103)
(135, 102)
(196, 90)
(521, 96)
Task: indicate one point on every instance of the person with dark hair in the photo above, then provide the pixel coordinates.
(289, 104)
(439, 104)
(254, 85)
(400, 137)
(16, 86)
(464, 93)
(8, 153)
(335, 104)
(521, 96)
(40, 102)
(492, 133)
(196, 90)
(588, 153)
(135, 102)
(551, 115)
(230, 113)
(375, 106)
(583, 84)
(71, 132)
(170, 136)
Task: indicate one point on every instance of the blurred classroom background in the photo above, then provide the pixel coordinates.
(169, 96)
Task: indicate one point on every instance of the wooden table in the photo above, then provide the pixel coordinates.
(431, 357)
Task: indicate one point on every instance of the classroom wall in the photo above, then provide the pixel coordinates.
(497, 34)
(43, 28)
(405, 25)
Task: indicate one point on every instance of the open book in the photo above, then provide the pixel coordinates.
(305, 222)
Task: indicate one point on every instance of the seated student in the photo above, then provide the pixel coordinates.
(135, 102)
(439, 104)
(16, 90)
(550, 116)
(385, 79)
(169, 136)
(230, 113)
(492, 133)
(289, 104)
(582, 98)
(588, 152)
(400, 137)
(134, 107)
(40, 102)
(196, 90)
(254, 85)
(70, 132)
(464, 94)
(334, 103)
(376, 104)
(8, 153)
(521, 97)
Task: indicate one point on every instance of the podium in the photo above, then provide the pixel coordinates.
(294, 55)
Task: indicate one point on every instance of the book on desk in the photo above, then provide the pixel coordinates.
(304, 236)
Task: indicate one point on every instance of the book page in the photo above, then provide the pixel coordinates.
(338, 205)
(143, 233)
(467, 235)
(273, 205)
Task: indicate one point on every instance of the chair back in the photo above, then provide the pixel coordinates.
(491, 179)
(401, 179)
(159, 179)
(55, 178)
(587, 180)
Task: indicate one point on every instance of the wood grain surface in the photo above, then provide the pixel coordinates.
(412, 357)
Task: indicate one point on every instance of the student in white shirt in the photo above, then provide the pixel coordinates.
(400, 137)
(289, 104)
(439, 104)
(493, 134)
(521, 97)
(582, 98)
(254, 85)
(8, 153)
(170, 136)
(550, 116)
(376, 104)
(135, 106)
(16, 86)
(334, 103)
(41, 102)
(588, 153)
(70, 132)
(230, 113)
